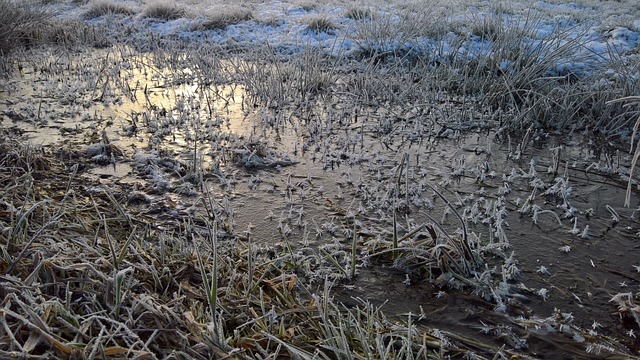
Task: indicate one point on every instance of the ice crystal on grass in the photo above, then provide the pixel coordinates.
(585, 232)
(598, 348)
(543, 293)
(614, 214)
(575, 230)
(407, 280)
(565, 248)
(543, 270)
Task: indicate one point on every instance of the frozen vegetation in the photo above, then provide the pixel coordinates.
(319, 179)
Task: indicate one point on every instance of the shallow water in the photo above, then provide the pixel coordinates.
(303, 176)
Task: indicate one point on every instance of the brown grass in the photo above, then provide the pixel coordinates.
(17, 21)
(359, 13)
(321, 23)
(163, 10)
(224, 17)
(105, 7)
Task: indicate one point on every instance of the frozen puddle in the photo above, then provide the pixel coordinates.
(118, 171)
(547, 217)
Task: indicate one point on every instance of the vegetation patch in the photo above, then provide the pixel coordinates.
(223, 17)
(91, 274)
(215, 197)
(105, 7)
(163, 10)
(18, 19)
(359, 13)
(321, 24)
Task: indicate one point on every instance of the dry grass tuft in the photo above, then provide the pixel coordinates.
(105, 7)
(309, 5)
(487, 27)
(27, 24)
(17, 21)
(224, 17)
(321, 23)
(163, 10)
(359, 13)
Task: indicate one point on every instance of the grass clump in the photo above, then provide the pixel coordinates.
(223, 18)
(630, 101)
(163, 10)
(321, 24)
(392, 36)
(28, 23)
(358, 13)
(17, 21)
(104, 7)
(309, 5)
(487, 27)
(273, 84)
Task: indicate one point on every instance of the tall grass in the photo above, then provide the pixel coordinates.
(398, 35)
(275, 83)
(630, 101)
(18, 19)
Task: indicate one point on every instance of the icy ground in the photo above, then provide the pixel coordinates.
(605, 30)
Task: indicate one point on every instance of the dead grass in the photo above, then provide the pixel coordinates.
(308, 5)
(106, 7)
(630, 101)
(91, 276)
(223, 17)
(28, 24)
(164, 10)
(321, 23)
(17, 21)
(359, 13)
